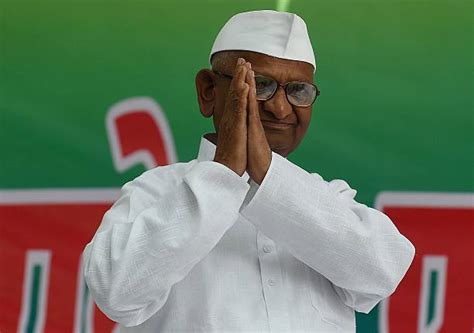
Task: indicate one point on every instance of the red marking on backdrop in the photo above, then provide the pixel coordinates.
(137, 130)
(435, 231)
(62, 228)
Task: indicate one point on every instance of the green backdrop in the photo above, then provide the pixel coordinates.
(395, 112)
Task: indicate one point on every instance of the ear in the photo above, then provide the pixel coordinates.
(206, 91)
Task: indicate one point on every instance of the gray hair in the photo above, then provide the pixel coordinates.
(223, 60)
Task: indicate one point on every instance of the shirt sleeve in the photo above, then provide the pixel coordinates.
(149, 240)
(355, 247)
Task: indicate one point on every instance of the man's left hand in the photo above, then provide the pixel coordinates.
(259, 154)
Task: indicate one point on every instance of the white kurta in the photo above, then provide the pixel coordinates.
(193, 247)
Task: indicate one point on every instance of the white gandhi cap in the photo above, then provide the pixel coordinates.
(278, 34)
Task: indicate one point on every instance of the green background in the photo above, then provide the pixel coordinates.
(395, 112)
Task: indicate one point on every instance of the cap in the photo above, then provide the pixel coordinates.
(278, 34)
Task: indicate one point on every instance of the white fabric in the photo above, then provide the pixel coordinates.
(193, 247)
(279, 34)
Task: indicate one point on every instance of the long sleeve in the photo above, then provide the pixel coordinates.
(355, 247)
(151, 238)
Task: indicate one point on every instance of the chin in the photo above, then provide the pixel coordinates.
(278, 142)
(281, 149)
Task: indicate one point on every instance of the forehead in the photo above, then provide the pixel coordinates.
(282, 70)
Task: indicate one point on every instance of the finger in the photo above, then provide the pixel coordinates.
(240, 62)
(254, 123)
(239, 67)
(252, 96)
(237, 99)
(239, 78)
(238, 93)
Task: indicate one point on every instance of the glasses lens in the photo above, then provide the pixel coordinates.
(265, 87)
(301, 93)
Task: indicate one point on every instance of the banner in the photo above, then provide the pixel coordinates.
(94, 93)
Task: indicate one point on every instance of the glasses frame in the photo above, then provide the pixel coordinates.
(318, 92)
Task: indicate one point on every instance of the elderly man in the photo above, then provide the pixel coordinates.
(241, 239)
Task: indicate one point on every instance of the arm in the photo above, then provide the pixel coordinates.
(148, 240)
(356, 247)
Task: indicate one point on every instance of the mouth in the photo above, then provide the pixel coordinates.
(276, 125)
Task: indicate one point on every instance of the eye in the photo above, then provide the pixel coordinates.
(264, 86)
(295, 88)
(263, 82)
(301, 93)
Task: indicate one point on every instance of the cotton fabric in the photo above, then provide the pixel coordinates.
(279, 34)
(193, 247)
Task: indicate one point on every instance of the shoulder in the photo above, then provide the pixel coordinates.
(290, 170)
(338, 186)
(158, 180)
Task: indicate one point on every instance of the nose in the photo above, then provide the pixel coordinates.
(278, 105)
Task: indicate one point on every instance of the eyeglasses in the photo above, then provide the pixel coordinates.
(298, 93)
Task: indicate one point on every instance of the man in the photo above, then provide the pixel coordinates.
(241, 239)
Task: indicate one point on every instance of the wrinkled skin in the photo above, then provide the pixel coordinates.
(238, 115)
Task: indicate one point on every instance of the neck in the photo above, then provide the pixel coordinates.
(211, 137)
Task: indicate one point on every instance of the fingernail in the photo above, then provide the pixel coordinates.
(252, 74)
(240, 61)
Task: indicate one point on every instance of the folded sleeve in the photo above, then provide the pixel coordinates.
(355, 247)
(150, 239)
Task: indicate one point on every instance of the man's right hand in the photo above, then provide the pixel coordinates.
(231, 148)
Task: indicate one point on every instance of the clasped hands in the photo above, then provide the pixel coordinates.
(241, 142)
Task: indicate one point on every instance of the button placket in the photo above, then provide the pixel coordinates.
(272, 284)
(267, 248)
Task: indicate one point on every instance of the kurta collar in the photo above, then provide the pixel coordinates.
(207, 150)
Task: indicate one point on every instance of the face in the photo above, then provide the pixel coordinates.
(293, 122)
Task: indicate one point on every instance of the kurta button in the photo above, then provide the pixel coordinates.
(271, 282)
(267, 248)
